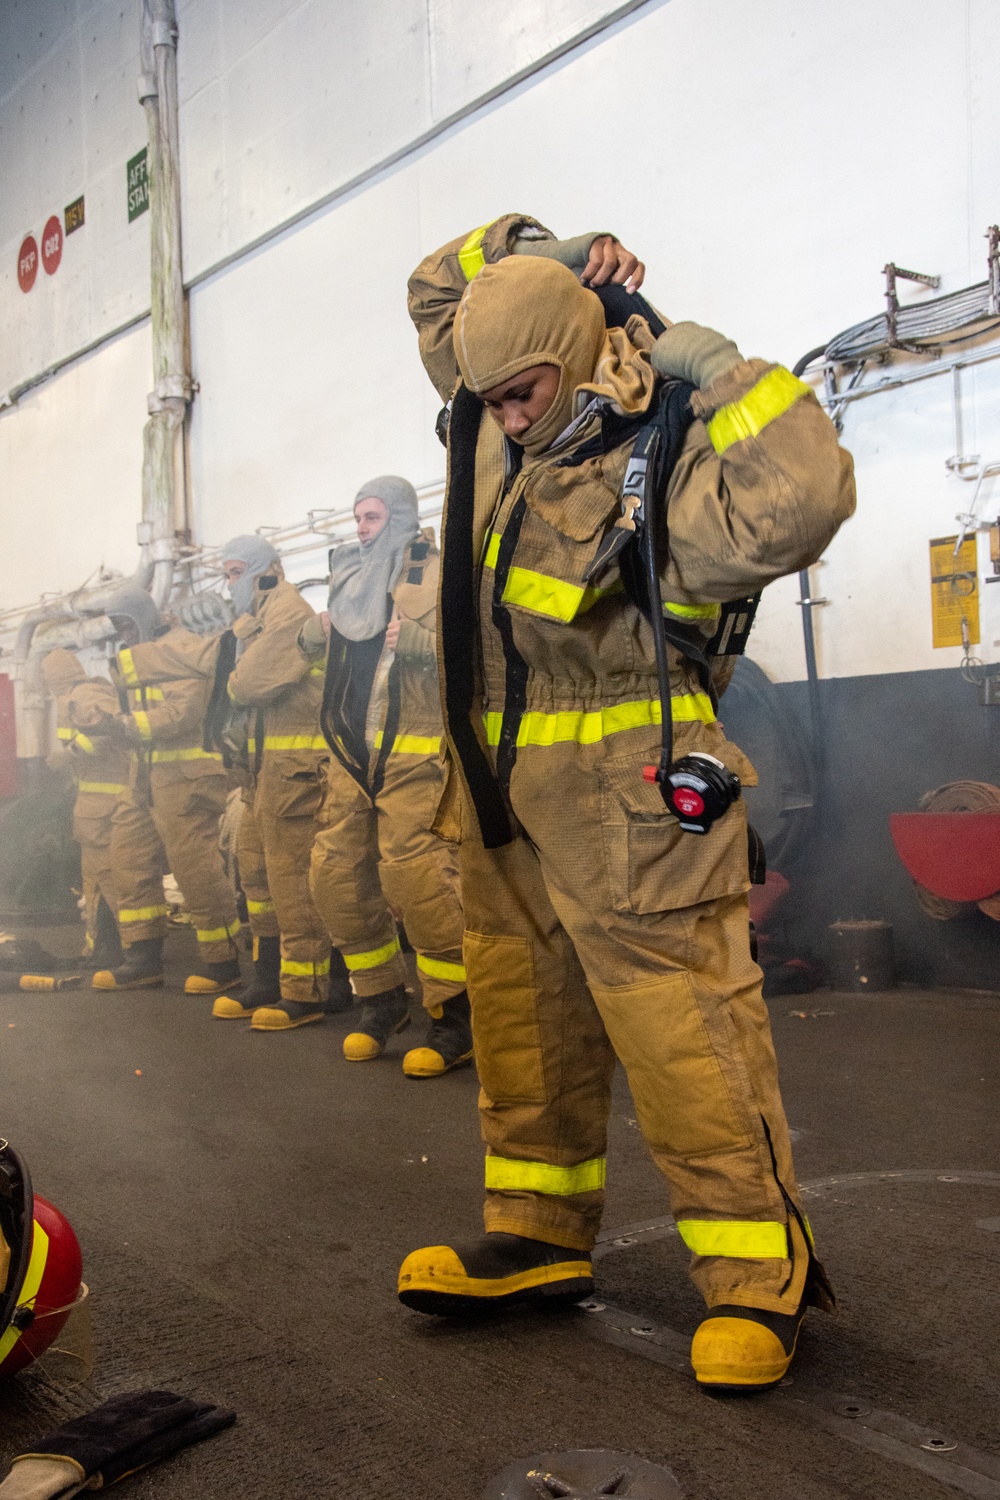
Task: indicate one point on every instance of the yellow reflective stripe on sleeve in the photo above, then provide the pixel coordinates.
(112, 788)
(773, 394)
(256, 907)
(217, 934)
(503, 1174)
(84, 743)
(744, 1239)
(373, 957)
(64, 734)
(142, 913)
(471, 257)
(32, 1281)
(142, 724)
(437, 968)
(592, 726)
(194, 752)
(127, 665)
(292, 742)
(412, 744)
(291, 966)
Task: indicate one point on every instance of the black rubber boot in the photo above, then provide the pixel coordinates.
(341, 995)
(448, 1044)
(497, 1271)
(263, 989)
(209, 979)
(381, 1017)
(141, 968)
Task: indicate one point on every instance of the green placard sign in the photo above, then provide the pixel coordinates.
(138, 185)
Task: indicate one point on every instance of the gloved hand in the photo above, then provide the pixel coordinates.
(687, 351)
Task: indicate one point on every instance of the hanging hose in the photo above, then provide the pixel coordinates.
(808, 636)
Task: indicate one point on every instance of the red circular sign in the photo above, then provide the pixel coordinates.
(27, 263)
(687, 801)
(52, 243)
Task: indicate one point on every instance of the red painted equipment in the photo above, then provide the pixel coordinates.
(952, 854)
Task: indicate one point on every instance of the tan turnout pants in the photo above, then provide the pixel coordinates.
(370, 857)
(572, 961)
(92, 829)
(138, 864)
(275, 841)
(188, 800)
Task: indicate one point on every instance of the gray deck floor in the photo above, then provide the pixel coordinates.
(244, 1202)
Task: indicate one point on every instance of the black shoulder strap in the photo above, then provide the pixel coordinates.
(219, 706)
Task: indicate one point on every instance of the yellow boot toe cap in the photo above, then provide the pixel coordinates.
(738, 1352)
(228, 1009)
(269, 1018)
(198, 984)
(103, 980)
(423, 1062)
(359, 1047)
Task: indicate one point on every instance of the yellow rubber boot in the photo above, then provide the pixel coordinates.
(744, 1348)
(497, 1271)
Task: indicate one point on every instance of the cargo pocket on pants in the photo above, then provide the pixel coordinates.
(508, 1041)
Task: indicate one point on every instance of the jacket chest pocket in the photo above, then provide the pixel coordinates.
(652, 865)
(543, 572)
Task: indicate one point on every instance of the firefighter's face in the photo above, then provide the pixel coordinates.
(517, 404)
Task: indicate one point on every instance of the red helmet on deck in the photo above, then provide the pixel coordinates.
(40, 1267)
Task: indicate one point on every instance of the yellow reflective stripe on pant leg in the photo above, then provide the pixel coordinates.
(111, 788)
(291, 966)
(293, 742)
(217, 934)
(437, 968)
(255, 908)
(505, 1175)
(744, 1239)
(589, 727)
(193, 752)
(142, 913)
(471, 257)
(412, 744)
(773, 394)
(373, 957)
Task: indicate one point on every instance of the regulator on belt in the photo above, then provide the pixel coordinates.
(698, 789)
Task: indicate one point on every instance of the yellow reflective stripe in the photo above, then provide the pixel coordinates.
(437, 968)
(86, 744)
(591, 726)
(290, 966)
(502, 1175)
(217, 934)
(412, 744)
(112, 788)
(317, 671)
(256, 907)
(292, 742)
(127, 665)
(773, 394)
(64, 734)
(492, 551)
(373, 957)
(142, 913)
(471, 257)
(32, 1281)
(194, 753)
(251, 746)
(692, 611)
(154, 695)
(142, 724)
(745, 1239)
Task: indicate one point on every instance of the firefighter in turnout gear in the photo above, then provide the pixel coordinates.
(282, 693)
(375, 851)
(181, 786)
(597, 927)
(86, 715)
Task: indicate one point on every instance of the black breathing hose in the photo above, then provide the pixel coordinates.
(656, 608)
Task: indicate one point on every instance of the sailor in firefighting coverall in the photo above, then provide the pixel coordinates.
(596, 927)
(384, 779)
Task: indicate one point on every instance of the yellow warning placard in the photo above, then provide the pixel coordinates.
(954, 591)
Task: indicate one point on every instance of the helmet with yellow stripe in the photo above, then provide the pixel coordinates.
(40, 1267)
